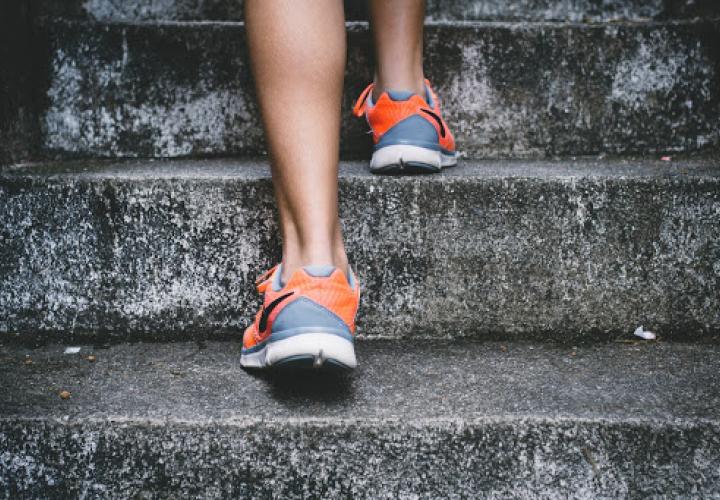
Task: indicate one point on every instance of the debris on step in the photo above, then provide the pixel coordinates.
(64, 394)
(644, 334)
(587, 454)
(72, 350)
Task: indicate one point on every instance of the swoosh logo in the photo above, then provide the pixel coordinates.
(437, 119)
(269, 309)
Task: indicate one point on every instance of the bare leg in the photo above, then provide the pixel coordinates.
(397, 28)
(298, 58)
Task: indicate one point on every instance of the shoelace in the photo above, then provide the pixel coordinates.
(264, 280)
(361, 103)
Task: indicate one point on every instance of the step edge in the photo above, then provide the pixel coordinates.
(361, 26)
(229, 169)
(243, 421)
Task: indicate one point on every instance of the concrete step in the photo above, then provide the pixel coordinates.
(437, 10)
(416, 420)
(545, 250)
(509, 89)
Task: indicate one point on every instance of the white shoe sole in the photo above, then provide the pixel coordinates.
(401, 159)
(312, 349)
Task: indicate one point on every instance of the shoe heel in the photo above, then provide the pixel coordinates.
(312, 350)
(405, 159)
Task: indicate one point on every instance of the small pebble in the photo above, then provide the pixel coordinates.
(64, 394)
(91, 358)
(503, 348)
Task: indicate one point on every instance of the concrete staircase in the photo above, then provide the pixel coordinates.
(498, 298)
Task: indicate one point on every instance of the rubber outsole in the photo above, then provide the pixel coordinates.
(309, 363)
(314, 350)
(410, 160)
(407, 168)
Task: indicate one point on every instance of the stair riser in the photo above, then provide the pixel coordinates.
(561, 258)
(372, 460)
(508, 90)
(18, 115)
(232, 10)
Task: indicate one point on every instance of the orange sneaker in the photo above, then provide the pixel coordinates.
(307, 322)
(409, 133)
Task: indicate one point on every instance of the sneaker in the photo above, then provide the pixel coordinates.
(308, 322)
(409, 133)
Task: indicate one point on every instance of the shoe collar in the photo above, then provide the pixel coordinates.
(403, 95)
(273, 279)
(365, 100)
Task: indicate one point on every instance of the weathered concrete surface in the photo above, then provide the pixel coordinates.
(570, 10)
(452, 10)
(510, 90)
(562, 250)
(417, 419)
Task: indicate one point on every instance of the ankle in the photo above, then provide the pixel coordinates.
(292, 261)
(411, 84)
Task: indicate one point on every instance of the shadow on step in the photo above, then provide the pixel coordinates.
(294, 387)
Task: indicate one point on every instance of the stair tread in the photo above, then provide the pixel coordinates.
(653, 383)
(253, 169)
